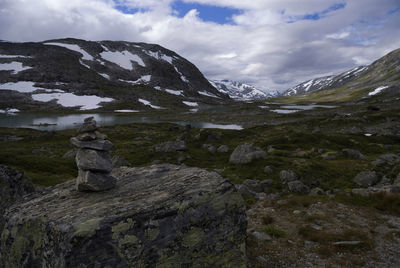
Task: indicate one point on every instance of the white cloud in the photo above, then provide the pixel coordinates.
(260, 48)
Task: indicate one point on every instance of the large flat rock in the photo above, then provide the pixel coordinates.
(158, 216)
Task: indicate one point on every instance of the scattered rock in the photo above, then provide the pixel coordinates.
(389, 158)
(245, 153)
(298, 187)
(244, 190)
(253, 185)
(261, 236)
(378, 162)
(317, 191)
(265, 184)
(223, 149)
(287, 175)
(366, 178)
(329, 156)
(210, 148)
(268, 170)
(169, 147)
(155, 217)
(119, 161)
(208, 136)
(355, 154)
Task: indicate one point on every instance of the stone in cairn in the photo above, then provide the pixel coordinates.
(93, 158)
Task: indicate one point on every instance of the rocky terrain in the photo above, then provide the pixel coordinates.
(162, 216)
(319, 174)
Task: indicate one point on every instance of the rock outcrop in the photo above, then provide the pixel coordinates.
(246, 153)
(157, 216)
(93, 158)
(14, 185)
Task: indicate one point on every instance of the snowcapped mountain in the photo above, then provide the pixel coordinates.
(325, 82)
(71, 73)
(239, 91)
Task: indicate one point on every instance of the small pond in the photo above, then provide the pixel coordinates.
(51, 122)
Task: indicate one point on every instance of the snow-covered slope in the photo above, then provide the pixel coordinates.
(239, 91)
(325, 82)
(120, 74)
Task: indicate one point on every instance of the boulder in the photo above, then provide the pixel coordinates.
(389, 158)
(210, 148)
(93, 160)
(287, 175)
(266, 184)
(223, 149)
(366, 178)
(14, 185)
(298, 187)
(355, 154)
(169, 147)
(268, 170)
(317, 191)
(157, 216)
(245, 153)
(100, 145)
(93, 181)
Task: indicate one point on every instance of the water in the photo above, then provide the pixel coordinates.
(50, 122)
(307, 107)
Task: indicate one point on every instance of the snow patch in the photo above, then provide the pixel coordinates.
(13, 56)
(145, 102)
(281, 111)
(174, 92)
(126, 111)
(189, 103)
(87, 102)
(106, 76)
(159, 56)
(123, 59)
(183, 78)
(205, 93)
(21, 86)
(84, 64)
(368, 134)
(9, 111)
(377, 90)
(85, 55)
(14, 66)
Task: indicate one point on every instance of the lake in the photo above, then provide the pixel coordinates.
(50, 122)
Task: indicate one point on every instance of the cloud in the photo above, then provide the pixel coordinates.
(273, 44)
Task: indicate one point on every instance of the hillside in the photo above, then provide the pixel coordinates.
(76, 74)
(380, 80)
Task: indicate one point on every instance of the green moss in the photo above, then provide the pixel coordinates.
(88, 228)
(122, 227)
(193, 237)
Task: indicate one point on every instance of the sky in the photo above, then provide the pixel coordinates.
(272, 44)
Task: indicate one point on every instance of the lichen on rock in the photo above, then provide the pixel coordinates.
(157, 216)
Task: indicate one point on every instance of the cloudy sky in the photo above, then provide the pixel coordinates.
(273, 44)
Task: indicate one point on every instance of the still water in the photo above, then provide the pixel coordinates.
(67, 121)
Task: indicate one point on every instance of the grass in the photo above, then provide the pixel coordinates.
(273, 231)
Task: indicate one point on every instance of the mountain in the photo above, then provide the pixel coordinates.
(78, 74)
(239, 91)
(379, 80)
(325, 82)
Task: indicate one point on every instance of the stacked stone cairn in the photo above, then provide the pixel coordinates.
(93, 158)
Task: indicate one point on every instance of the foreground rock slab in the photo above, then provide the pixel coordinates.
(158, 216)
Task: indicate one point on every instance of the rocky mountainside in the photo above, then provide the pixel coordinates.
(325, 82)
(240, 91)
(72, 73)
(381, 79)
